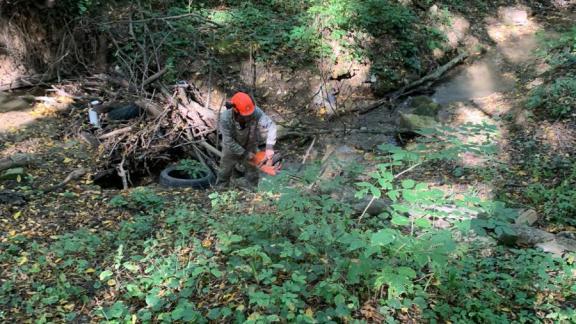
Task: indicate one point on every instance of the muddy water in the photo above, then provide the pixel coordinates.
(478, 84)
(481, 79)
(493, 73)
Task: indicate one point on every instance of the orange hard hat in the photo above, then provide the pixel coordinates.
(243, 104)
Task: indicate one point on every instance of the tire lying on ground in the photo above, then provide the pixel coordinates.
(176, 178)
(125, 112)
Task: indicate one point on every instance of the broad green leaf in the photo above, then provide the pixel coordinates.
(116, 310)
(407, 272)
(393, 194)
(133, 290)
(401, 208)
(383, 237)
(400, 220)
(375, 192)
(408, 184)
(131, 267)
(153, 301)
(217, 273)
(423, 223)
(105, 275)
(411, 196)
(421, 186)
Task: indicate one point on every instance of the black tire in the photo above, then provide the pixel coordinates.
(125, 113)
(169, 178)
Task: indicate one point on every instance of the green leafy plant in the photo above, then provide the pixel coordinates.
(193, 168)
(139, 199)
(557, 99)
(557, 202)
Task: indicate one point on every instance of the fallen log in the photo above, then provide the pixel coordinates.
(74, 175)
(312, 132)
(24, 82)
(155, 76)
(211, 148)
(418, 85)
(15, 161)
(430, 78)
(150, 107)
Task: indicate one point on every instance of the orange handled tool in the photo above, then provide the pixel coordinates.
(259, 161)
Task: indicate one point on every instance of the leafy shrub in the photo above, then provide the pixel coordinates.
(193, 168)
(560, 50)
(509, 285)
(557, 202)
(139, 199)
(300, 257)
(557, 99)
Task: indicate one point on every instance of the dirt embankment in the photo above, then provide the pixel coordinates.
(40, 42)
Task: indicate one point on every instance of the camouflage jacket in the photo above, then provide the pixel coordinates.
(240, 141)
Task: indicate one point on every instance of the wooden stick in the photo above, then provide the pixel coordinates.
(63, 93)
(122, 174)
(74, 175)
(155, 76)
(164, 18)
(116, 132)
(301, 132)
(211, 148)
(24, 82)
(308, 151)
(437, 74)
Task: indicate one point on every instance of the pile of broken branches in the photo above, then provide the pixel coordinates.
(177, 119)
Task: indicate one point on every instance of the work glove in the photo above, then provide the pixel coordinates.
(268, 157)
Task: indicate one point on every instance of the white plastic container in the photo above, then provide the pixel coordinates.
(93, 114)
(93, 118)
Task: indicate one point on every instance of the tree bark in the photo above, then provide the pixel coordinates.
(15, 161)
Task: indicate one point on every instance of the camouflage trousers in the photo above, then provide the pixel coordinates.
(227, 167)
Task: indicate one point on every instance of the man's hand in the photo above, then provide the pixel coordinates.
(268, 157)
(251, 156)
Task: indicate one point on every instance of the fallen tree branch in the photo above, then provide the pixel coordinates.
(74, 175)
(150, 107)
(122, 173)
(432, 77)
(15, 161)
(155, 76)
(426, 81)
(24, 82)
(308, 132)
(211, 148)
(117, 132)
(192, 14)
(63, 93)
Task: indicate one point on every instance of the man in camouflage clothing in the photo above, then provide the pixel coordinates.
(244, 127)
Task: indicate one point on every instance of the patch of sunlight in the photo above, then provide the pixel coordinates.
(514, 33)
(558, 135)
(481, 79)
(28, 146)
(493, 105)
(14, 121)
(221, 16)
